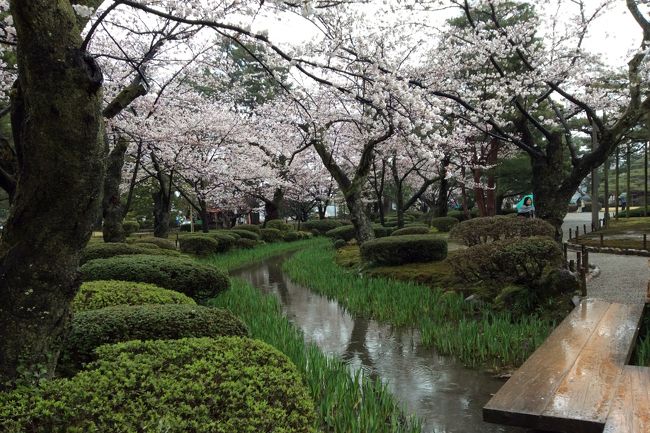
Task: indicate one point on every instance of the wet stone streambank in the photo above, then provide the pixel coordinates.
(446, 396)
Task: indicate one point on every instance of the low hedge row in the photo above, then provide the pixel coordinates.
(198, 245)
(278, 225)
(346, 233)
(489, 229)
(130, 227)
(106, 250)
(507, 261)
(444, 224)
(414, 230)
(198, 385)
(322, 226)
(271, 235)
(248, 234)
(198, 281)
(165, 244)
(93, 295)
(398, 250)
(93, 328)
(250, 227)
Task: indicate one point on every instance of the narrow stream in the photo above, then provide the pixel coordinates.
(446, 396)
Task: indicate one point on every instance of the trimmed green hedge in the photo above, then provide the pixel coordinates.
(106, 250)
(637, 212)
(414, 230)
(248, 234)
(99, 294)
(271, 235)
(489, 229)
(198, 385)
(198, 281)
(165, 244)
(444, 224)
(381, 231)
(199, 245)
(346, 233)
(322, 226)
(507, 261)
(277, 224)
(90, 329)
(148, 246)
(246, 244)
(293, 236)
(398, 250)
(226, 240)
(250, 227)
(130, 227)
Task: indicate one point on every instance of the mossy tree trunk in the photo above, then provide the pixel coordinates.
(441, 207)
(162, 200)
(57, 124)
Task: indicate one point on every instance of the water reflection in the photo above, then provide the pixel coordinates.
(441, 392)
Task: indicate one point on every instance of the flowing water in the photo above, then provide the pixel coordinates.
(446, 396)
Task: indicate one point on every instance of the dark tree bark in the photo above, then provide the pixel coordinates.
(56, 122)
(272, 207)
(162, 200)
(112, 209)
(442, 200)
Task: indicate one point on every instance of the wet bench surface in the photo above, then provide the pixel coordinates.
(630, 412)
(569, 383)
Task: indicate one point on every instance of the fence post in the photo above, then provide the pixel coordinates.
(570, 233)
(645, 241)
(584, 229)
(565, 251)
(577, 232)
(572, 265)
(601, 240)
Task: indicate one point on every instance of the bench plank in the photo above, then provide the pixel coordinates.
(630, 412)
(524, 397)
(582, 400)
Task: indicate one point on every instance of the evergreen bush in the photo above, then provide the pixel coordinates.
(414, 230)
(250, 227)
(248, 234)
(196, 280)
(293, 236)
(346, 233)
(398, 250)
(106, 250)
(165, 244)
(93, 328)
(271, 235)
(444, 224)
(322, 226)
(93, 295)
(277, 224)
(199, 245)
(489, 229)
(130, 227)
(198, 385)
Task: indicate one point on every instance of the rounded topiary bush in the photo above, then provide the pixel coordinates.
(381, 231)
(106, 250)
(489, 229)
(322, 226)
(246, 244)
(277, 224)
(508, 261)
(99, 294)
(339, 243)
(226, 241)
(230, 233)
(247, 234)
(346, 233)
(444, 224)
(250, 227)
(90, 329)
(198, 385)
(130, 227)
(184, 275)
(271, 235)
(398, 250)
(414, 230)
(148, 246)
(165, 244)
(198, 245)
(292, 236)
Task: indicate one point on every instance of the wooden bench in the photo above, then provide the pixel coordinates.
(568, 384)
(630, 409)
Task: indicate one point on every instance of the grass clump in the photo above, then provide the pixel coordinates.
(344, 403)
(501, 341)
(99, 294)
(198, 385)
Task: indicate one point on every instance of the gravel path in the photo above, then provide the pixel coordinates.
(622, 278)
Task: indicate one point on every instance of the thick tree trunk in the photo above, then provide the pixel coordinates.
(272, 207)
(442, 203)
(205, 227)
(162, 206)
(359, 218)
(322, 208)
(112, 209)
(56, 121)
